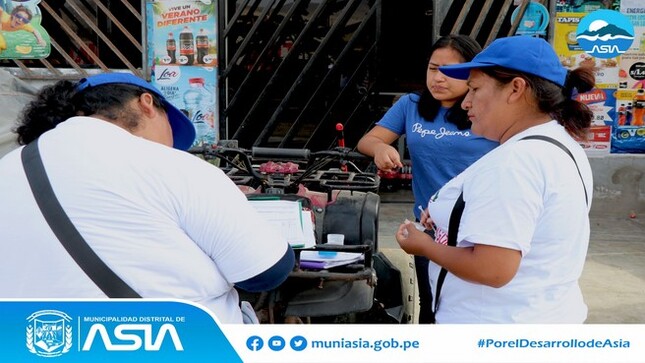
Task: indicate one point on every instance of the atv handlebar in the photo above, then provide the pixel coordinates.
(240, 164)
(281, 153)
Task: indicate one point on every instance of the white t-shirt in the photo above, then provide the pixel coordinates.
(527, 196)
(168, 223)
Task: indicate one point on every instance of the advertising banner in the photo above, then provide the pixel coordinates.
(610, 37)
(598, 141)
(632, 7)
(632, 63)
(535, 20)
(21, 35)
(586, 6)
(182, 54)
(602, 103)
(192, 89)
(572, 55)
(628, 135)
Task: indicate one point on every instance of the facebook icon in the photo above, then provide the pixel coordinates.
(254, 343)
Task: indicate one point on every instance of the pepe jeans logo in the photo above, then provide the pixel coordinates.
(438, 134)
(49, 333)
(605, 33)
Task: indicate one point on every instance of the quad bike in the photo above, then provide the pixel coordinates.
(342, 199)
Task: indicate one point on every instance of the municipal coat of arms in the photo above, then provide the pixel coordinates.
(49, 333)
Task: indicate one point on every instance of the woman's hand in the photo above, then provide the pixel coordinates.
(387, 158)
(411, 239)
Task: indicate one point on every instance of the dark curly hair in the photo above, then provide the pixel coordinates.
(58, 102)
(428, 106)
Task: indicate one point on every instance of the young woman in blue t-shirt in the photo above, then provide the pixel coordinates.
(438, 136)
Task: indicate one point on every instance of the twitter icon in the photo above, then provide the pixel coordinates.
(298, 343)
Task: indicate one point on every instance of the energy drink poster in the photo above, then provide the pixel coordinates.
(629, 127)
(21, 35)
(632, 7)
(182, 56)
(572, 55)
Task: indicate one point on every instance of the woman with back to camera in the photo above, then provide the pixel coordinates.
(167, 223)
(521, 242)
(438, 136)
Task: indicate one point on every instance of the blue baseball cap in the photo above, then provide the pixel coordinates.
(520, 53)
(183, 131)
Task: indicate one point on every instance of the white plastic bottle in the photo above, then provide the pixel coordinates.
(198, 103)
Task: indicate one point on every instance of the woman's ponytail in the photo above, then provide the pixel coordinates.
(574, 115)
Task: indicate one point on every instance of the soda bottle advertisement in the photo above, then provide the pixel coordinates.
(182, 33)
(629, 127)
(182, 56)
(192, 90)
(21, 35)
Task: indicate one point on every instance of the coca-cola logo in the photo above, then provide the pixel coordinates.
(167, 75)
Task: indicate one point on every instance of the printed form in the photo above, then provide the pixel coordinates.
(289, 218)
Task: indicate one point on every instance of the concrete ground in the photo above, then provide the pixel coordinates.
(613, 280)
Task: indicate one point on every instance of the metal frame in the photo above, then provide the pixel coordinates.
(295, 99)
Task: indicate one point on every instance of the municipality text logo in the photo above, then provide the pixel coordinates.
(49, 333)
(605, 33)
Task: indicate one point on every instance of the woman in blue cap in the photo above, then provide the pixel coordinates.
(167, 223)
(512, 230)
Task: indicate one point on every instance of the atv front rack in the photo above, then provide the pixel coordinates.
(350, 272)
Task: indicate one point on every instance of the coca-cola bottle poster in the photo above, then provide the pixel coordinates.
(182, 33)
(21, 35)
(182, 56)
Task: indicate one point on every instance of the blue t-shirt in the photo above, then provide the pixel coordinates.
(438, 150)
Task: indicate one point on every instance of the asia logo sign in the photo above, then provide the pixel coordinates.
(127, 337)
(605, 34)
(49, 333)
(111, 330)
